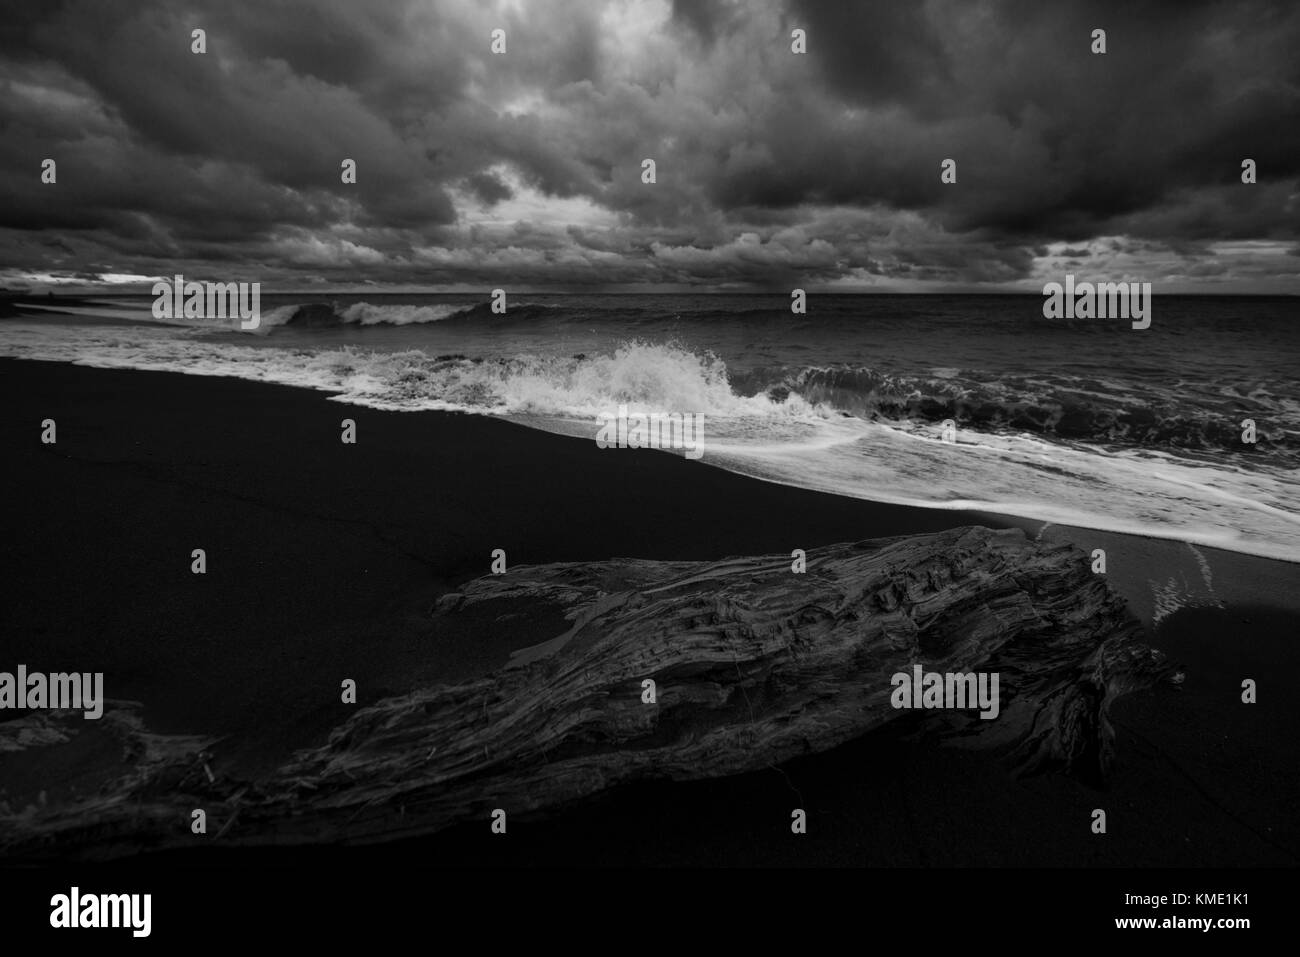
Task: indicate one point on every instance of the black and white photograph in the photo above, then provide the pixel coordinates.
(699, 444)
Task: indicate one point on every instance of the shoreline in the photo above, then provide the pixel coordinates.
(1061, 530)
(325, 559)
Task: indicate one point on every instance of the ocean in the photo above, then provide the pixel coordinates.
(1083, 422)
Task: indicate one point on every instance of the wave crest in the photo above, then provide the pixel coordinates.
(324, 315)
(1070, 409)
(663, 377)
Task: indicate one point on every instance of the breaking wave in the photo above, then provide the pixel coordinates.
(322, 315)
(1066, 451)
(1061, 407)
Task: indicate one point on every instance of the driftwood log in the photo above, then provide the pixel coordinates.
(752, 663)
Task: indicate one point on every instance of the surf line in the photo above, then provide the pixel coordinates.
(930, 689)
(84, 692)
(652, 430)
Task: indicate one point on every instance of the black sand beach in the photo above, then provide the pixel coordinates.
(324, 560)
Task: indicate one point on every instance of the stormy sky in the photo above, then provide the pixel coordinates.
(773, 169)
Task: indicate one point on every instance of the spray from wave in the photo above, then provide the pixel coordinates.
(852, 432)
(666, 377)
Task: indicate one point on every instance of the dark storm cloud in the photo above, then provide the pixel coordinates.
(489, 188)
(772, 167)
(877, 53)
(1048, 137)
(708, 19)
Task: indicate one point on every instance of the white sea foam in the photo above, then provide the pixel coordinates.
(791, 442)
